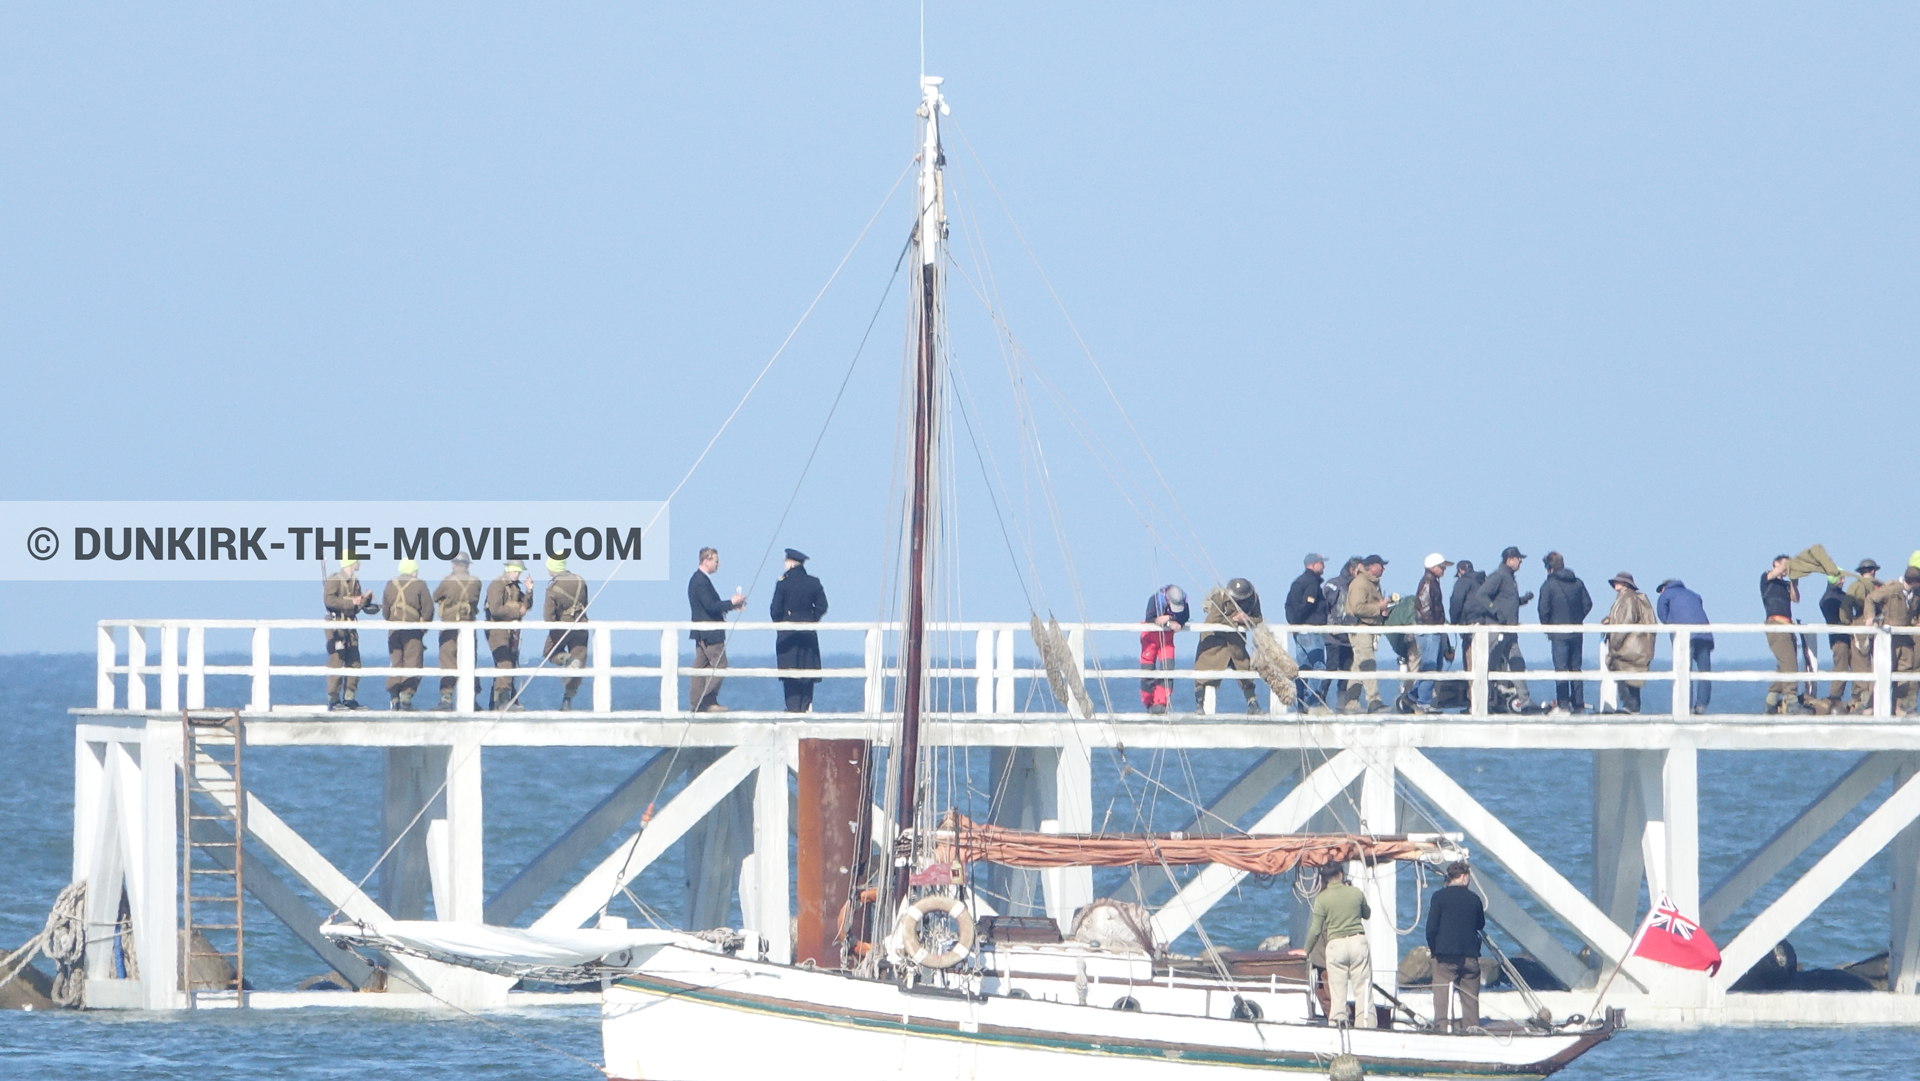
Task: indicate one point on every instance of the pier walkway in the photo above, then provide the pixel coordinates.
(735, 807)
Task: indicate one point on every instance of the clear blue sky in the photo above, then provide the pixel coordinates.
(1631, 281)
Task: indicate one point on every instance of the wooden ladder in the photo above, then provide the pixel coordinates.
(212, 861)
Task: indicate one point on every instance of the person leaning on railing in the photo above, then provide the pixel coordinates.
(1237, 604)
(1678, 604)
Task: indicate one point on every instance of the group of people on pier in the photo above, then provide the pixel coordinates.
(1351, 604)
(1356, 613)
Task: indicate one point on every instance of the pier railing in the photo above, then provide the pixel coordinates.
(976, 659)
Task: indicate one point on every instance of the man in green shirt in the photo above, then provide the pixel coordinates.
(1338, 913)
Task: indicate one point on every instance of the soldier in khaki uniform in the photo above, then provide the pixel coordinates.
(566, 603)
(1239, 604)
(509, 599)
(1897, 604)
(458, 597)
(406, 600)
(343, 597)
(1368, 608)
(1862, 643)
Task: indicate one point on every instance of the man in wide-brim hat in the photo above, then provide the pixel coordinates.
(1629, 651)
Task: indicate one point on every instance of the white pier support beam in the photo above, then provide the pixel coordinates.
(1381, 882)
(772, 913)
(169, 667)
(411, 779)
(156, 932)
(196, 667)
(1903, 948)
(107, 652)
(137, 659)
(1069, 888)
(1004, 697)
(601, 640)
(669, 672)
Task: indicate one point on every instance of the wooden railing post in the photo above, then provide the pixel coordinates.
(169, 667)
(261, 700)
(1477, 704)
(106, 651)
(464, 649)
(875, 698)
(602, 659)
(669, 671)
(1882, 672)
(196, 667)
(1682, 674)
(983, 672)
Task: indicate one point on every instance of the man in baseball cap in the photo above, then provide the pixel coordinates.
(1307, 607)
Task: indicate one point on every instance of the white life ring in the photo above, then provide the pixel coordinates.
(909, 931)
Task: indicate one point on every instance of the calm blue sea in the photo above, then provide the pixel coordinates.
(331, 795)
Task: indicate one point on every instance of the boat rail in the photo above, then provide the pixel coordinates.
(175, 651)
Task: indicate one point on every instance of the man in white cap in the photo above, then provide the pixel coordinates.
(343, 597)
(406, 600)
(1430, 611)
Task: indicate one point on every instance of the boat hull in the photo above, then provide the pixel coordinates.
(691, 1016)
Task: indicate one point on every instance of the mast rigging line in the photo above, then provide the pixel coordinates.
(454, 766)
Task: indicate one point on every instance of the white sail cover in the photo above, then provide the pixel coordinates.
(511, 945)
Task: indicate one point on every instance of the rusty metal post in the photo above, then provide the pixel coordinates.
(830, 838)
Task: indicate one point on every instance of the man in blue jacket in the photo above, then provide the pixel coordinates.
(1678, 604)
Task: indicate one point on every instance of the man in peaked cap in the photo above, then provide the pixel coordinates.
(798, 597)
(1862, 661)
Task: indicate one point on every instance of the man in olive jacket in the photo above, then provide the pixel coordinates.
(1368, 608)
(343, 598)
(406, 600)
(458, 598)
(566, 603)
(509, 599)
(1339, 912)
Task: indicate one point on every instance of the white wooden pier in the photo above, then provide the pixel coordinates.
(735, 805)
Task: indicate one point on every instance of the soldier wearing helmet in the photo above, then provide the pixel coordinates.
(344, 599)
(566, 603)
(458, 597)
(406, 600)
(1235, 604)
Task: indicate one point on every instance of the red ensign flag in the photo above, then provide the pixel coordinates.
(1672, 939)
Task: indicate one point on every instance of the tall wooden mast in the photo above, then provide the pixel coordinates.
(932, 241)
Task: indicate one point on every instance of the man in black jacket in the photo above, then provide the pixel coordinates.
(1430, 613)
(1564, 600)
(797, 598)
(1306, 606)
(1455, 919)
(1498, 601)
(709, 647)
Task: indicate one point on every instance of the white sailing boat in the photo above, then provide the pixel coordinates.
(934, 993)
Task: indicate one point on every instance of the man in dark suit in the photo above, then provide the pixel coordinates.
(798, 598)
(709, 647)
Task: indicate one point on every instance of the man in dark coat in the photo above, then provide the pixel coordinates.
(798, 598)
(1454, 923)
(1564, 600)
(1498, 601)
(709, 647)
(1307, 607)
(1466, 581)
